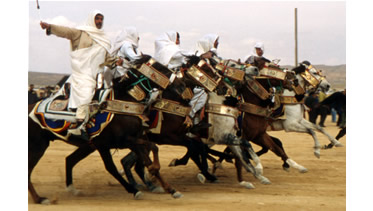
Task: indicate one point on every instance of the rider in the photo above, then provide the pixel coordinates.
(89, 49)
(206, 49)
(167, 50)
(125, 47)
(257, 54)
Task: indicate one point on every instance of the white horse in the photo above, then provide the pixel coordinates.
(224, 130)
(295, 121)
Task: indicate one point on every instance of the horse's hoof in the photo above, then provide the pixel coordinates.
(215, 181)
(247, 185)
(286, 169)
(201, 178)
(138, 195)
(45, 201)
(264, 180)
(317, 154)
(172, 163)
(303, 170)
(339, 144)
(157, 189)
(177, 195)
(71, 189)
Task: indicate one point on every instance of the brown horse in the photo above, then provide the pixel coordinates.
(124, 131)
(254, 126)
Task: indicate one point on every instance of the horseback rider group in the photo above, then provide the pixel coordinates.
(95, 60)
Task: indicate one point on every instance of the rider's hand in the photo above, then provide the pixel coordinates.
(188, 121)
(44, 25)
(207, 55)
(119, 62)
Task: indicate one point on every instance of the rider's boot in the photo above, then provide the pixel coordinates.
(82, 115)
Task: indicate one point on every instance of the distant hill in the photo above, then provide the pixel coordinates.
(40, 79)
(336, 75)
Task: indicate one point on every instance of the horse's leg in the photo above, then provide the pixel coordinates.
(340, 134)
(255, 158)
(128, 162)
(139, 169)
(222, 156)
(234, 144)
(112, 169)
(154, 168)
(238, 153)
(203, 149)
(277, 141)
(36, 149)
(304, 126)
(183, 161)
(242, 183)
(266, 140)
(262, 151)
(310, 125)
(249, 152)
(70, 161)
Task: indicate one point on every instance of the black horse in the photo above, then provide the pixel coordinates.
(337, 100)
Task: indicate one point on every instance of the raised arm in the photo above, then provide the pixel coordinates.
(61, 31)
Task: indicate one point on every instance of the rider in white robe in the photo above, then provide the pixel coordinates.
(167, 50)
(125, 47)
(258, 51)
(89, 49)
(206, 48)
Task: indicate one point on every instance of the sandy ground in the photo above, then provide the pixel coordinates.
(323, 187)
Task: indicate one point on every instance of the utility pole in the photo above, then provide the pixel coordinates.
(296, 36)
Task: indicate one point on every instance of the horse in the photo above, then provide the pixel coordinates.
(257, 118)
(124, 131)
(337, 100)
(295, 121)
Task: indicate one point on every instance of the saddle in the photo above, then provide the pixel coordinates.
(52, 114)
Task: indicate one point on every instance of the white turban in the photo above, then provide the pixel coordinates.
(259, 45)
(165, 47)
(96, 34)
(128, 34)
(206, 43)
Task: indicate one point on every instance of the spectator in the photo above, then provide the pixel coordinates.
(32, 96)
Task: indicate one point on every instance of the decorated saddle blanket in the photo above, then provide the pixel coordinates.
(51, 117)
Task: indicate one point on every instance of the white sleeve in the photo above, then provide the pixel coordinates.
(127, 51)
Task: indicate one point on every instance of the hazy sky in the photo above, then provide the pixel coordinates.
(321, 28)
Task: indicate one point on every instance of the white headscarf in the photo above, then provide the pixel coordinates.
(96, 34)
(253, 54)
(165, 47)
(206, 43)
(128, 34)
(258, 45)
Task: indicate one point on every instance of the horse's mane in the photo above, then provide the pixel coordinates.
(230, 101)
(192, 60)
(142, 60)
(299, 69)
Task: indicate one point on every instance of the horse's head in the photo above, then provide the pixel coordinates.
(308, 75)
(323, 83)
